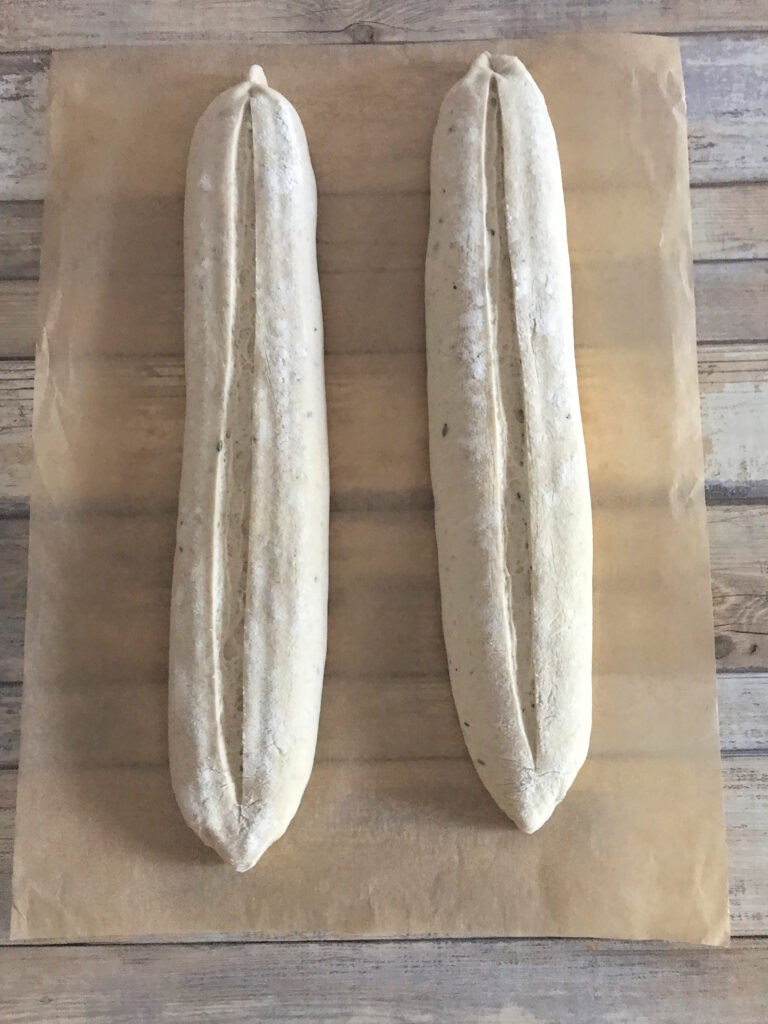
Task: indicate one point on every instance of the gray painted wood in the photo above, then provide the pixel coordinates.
(730, 222)
(18, 318)
(743, 709)
(20, 228)
(33, 24)
(13, 596)
(738, 546)
(482, 982)
(10, 725)
(23, 131)
(732, 301)
(469, 982)
(733, 387)
(726, 88)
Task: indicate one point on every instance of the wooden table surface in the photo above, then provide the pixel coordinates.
(725, 58)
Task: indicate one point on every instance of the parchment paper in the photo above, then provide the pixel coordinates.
(396, 835)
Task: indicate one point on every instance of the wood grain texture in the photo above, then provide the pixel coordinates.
(738, 544)
(389, 717)
(732, 301)
(389, 557)
(733, 385)
(14, 535)
(745, 782)
(20, 228)
(731, 305)
(18, 318)
(742, 700)
(378, 426)
(10, 725)
(8, 781)
(23, 129)
(15, 435)
(730, 222)
(726, 88)
(481, 981)
(31, 24)
(725, 79)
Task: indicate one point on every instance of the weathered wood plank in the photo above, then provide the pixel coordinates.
(745, 782)
(738, 544)
(733, 385)
(10, 724)
(731, 305)
(20, 227)
(726, 88)
(16, 390)
(730, 222)
(390, 717)
(390, 558)
(49, 24)
(731, 301)
(7, 815)
(14, 535)
(20, 231)
(725, 75)
(18, 318)
(23, 128)
(486, 982)
(483, 981)
(742, 700)
(378, 425)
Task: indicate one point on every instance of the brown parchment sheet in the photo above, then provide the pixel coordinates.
(396, 835)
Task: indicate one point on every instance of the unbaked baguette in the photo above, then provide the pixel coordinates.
(250, 583)
(509, 471)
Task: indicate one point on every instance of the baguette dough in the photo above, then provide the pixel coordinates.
(250, 583)
(509, 471)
